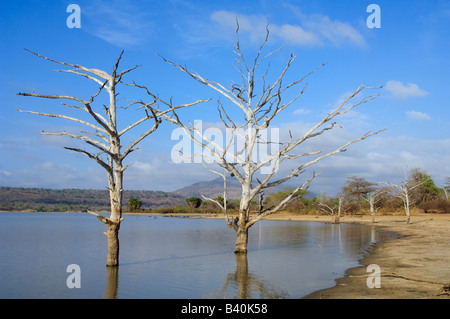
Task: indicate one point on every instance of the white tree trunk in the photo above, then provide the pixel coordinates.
(105, 137)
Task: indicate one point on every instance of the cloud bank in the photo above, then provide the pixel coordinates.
(313, 30)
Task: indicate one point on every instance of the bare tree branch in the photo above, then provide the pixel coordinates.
(97, 128)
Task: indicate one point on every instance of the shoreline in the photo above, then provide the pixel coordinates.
(413, 266)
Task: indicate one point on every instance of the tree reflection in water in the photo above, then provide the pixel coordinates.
(112, 282)
(244, 285)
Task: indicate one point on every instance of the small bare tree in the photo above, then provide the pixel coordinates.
(403, 191)
(105, 136)
(373, 198)
(446, 187)
(258, 108)
(328, 206)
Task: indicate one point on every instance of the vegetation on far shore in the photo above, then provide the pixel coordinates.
(354, 199)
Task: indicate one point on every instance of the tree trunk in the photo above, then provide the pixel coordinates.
(241, 239)
(336, 219)
(112, 234)
(372, 208)
(113, 244)
(408, 214)
(113, 226)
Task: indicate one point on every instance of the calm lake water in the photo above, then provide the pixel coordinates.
(174, 258)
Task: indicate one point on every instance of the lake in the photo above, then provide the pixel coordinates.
(174, 258)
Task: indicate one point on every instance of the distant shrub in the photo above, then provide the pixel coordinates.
(165, 210)
(435, 205)
(134, 204)
(193, 202)
(295, 206)
(351, 208)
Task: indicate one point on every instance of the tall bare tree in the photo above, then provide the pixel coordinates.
(103, 134)
(258, 107)
(373, 198)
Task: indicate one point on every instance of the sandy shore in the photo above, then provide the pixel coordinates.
(414, 266)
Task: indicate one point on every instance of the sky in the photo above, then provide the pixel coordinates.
(402, 46)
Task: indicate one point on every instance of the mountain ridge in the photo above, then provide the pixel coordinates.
(45, 199)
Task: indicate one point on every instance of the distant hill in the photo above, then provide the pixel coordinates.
(211, 189)
(214, 188)
(18, 198)
(44, 199)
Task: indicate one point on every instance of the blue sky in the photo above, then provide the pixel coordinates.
(408, 55)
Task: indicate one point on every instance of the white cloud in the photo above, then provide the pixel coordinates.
(6, 173)
(301, 112)
(255, 27)
(55, 175)
(402, 91)
(295, 35)
(381, 158)
(418, 116)
(336, 32)
(315, 30)
(143, 167)
(121, 23)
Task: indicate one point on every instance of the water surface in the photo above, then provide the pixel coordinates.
(176, 258)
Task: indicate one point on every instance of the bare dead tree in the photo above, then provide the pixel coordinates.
(373, 197)
(403, 191)
(104, 136)
(334, 210)
(258, 108)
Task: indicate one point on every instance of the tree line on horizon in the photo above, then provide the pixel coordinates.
(357, 196)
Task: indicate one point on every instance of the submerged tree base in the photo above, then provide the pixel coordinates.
(112, 234)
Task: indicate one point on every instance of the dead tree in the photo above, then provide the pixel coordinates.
(334, 210)
(258, 108)
(373, 198)
(403, 191)
(102, 133)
